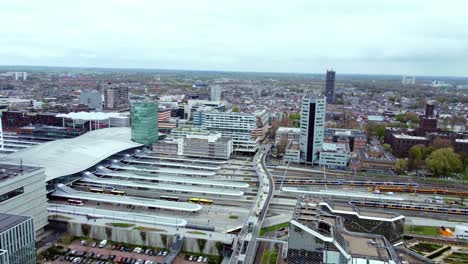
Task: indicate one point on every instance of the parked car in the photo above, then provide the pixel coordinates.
(205, 260)
(83, 242)
(94, 244)
(190, 258)
(200, 259)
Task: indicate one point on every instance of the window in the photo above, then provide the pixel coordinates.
(11, 194)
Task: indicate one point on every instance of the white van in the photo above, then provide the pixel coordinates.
(103, 244)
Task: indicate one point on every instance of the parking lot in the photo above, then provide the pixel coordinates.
(86, 253)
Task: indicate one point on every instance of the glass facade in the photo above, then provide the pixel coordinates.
(18, 240)
(144, 122)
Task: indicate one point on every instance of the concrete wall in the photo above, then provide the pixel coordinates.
(154, 239)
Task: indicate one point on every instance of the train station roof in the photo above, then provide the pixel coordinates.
(69, 156)
(67, 192)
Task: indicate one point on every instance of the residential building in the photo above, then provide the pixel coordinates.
(374, 158)
(330, 87)
(334, 155)
(23, 192)
(288, 133)
(197, 144)
(17, 239)
(245, 129)
(317, 234)
(312, 128)
(92, 99)
(216, 91)
(116, 98)
(144, 122)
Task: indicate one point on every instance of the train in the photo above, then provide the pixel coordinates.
(190, 200)
(411, 189)
(412, 207)
(346, 182)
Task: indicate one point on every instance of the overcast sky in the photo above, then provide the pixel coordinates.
(421, 37)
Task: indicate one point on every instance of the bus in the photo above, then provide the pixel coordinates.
(169, 198)
(117, 192)
(235, 230)
(200, 201)
(75, 202)
(96, 190)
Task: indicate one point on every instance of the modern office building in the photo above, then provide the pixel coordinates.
(144, 122)
(334, 155)
(197, 144)
(17, 239)
(288, 133)
(312, 128)
(216, 91)
(293, 152)
(116, 97)
(92, 99)
(23, 192)
(245, 129)
(330, 87)
(321, 236)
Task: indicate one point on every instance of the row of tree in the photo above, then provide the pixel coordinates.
(439, 158)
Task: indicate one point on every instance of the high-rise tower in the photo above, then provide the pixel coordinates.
(330, 87)
(144, 122)
(312, 127)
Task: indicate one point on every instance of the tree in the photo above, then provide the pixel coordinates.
(401, 165)
(439, 143)
(375, 130)
(412, 117)
(416, 156)
(235, 109)
(281, 147)
(400, 118)
(387, 147)
(380, 132)
(444, 161)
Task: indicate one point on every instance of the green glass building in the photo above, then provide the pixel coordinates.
(144, 122)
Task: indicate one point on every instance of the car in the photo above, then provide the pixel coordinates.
(133, 261)
(90, 255)
(389, 193)
(83, 243)
(66, 251)
(151, 252)
(112, 257)
(186, 257)
(72, 252)
(190, 258)
(165, 253)
(160, 253)
(125, 260)
(205, 260)
(148, 262)
(139, 261)
(200, 259)
(98, 256)
(94, 244)
(113, 247)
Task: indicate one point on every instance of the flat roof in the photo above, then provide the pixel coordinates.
(289, 129)
(162, 170)
(162, 186)
(341, 194)
(69, 156)
(9, 171)
(8, 221)
(179, 158)
(154, 177)
(117, 215)
(406, 136)
(172, 164)
(67, 192)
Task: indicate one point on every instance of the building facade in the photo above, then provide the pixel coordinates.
(312, 128)
(92, 99)
(330, 87)
(334, 155)
(23, 192)
(245, 129)
(287, 133)
(144, 122)
(197, 144)
(116, 98)
(17, 239)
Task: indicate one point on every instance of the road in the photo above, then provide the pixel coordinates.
(246, 243)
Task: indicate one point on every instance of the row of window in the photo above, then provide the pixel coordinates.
(11, 194)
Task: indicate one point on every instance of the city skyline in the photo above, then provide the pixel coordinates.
(361, 38)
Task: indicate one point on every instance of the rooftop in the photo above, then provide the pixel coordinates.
(9, 171)
(289, 129)
(406, 136)
(8, 221)
(70, 156)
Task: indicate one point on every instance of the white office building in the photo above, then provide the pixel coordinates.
(23, 192)
(312, 128)
(17, 240)
(245, 129)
